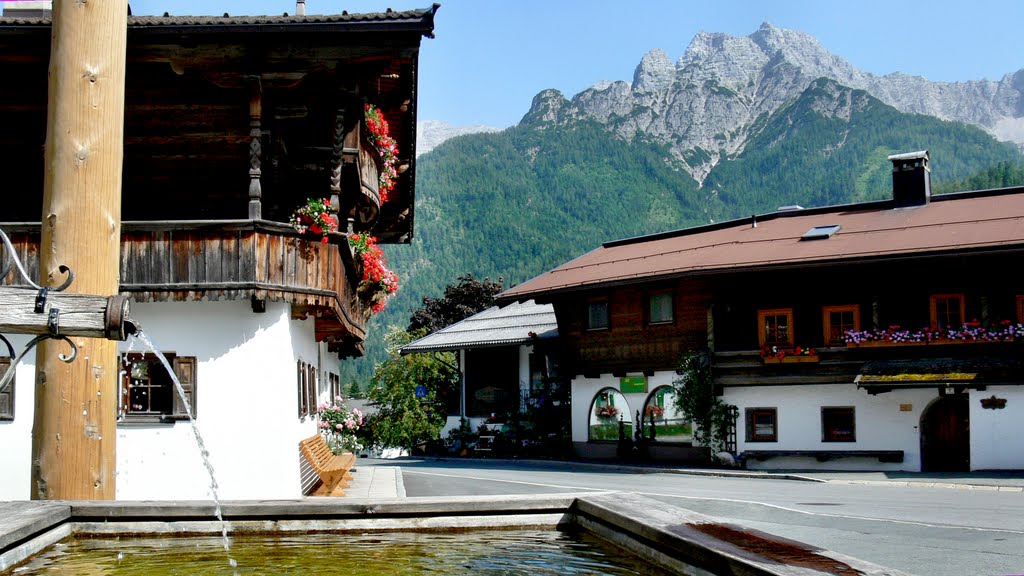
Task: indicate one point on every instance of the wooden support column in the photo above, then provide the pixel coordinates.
(74, 435)
(337, 160)
(255, 151)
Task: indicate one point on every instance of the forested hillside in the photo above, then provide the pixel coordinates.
(516, 203)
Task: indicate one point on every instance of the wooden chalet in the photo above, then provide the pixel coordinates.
(876, 335)
(231, 123)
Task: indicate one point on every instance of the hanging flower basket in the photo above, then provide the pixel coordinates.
(378, 283)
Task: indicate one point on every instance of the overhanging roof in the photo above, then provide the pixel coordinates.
(517, 323)
(976, 372)
(954, 223)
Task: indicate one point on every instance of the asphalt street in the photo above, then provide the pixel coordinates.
(930, 531)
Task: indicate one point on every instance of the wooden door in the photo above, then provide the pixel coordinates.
(946, 436)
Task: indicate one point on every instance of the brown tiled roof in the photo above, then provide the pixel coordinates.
(413, 17)
(950, 223)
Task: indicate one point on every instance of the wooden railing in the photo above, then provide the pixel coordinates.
(231, 260)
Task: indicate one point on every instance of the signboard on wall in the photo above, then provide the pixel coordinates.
(633, 384)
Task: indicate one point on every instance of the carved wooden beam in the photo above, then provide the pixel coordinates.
(255, 150)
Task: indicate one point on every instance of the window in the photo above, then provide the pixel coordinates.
(659, 308)
(837, 320)
(776, 327)
(947, 310)
(597, 315)
(838, 424)
(1020, 308)
(333, 385)
(306, 379)
(7, 394)
(762, 425)
(148, 391)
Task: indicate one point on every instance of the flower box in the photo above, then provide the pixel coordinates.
(792, 359)
(887, 344)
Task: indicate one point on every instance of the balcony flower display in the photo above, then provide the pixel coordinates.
(606, 412)
(377, 133)
(378, 283)
(315, 217)
(973, 331)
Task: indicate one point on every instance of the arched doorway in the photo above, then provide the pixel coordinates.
(946, 435)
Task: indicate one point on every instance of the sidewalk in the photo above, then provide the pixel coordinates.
(375, 481)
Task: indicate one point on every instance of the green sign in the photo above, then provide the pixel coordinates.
(632, 384)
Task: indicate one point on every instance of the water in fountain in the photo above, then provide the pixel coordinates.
(150, 347)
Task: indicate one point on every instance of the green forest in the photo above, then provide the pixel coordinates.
(516, 203)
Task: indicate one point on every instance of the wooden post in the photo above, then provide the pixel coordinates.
(74, 435)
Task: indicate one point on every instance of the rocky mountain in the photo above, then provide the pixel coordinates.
(430, 133)
(710, 104)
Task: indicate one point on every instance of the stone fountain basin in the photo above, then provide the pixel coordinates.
(671, 538)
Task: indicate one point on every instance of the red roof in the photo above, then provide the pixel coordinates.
(950, 223)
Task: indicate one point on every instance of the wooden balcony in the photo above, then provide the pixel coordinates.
(254, 260)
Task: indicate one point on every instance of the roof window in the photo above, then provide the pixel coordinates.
(821, 232)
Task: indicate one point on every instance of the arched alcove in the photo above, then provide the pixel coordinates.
(669, 424)
(607, 409)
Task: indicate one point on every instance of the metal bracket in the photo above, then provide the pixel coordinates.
(53, 317)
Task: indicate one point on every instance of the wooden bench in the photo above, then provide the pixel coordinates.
(825, 455)
(334, 470)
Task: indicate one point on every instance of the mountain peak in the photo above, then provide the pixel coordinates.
(654, 73)
(545, 107)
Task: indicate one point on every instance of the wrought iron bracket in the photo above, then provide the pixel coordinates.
(53, 317)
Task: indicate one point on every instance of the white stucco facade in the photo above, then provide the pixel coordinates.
(246, 407)
(888, 421)
(585, 389)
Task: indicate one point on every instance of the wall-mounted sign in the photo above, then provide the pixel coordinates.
(906, 407)
(993, 403)
(633, 384)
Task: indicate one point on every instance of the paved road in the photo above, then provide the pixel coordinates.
(925, 531)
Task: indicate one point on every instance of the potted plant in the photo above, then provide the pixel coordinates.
(339, 424)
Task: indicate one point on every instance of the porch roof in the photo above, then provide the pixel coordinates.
(517, 323)
(977, 372)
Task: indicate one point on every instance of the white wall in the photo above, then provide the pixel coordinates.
(880, 425)
(246, 403)
(584, 390)
(16, 435)
(997, 436)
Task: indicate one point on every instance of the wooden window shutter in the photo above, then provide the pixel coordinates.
(300, 378)
(7, 396)
(311, 386)
(185, 370)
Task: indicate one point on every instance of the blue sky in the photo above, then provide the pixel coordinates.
(491, 57)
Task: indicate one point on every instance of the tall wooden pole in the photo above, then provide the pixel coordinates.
(74, 436)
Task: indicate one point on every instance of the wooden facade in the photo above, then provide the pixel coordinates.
(719, 313)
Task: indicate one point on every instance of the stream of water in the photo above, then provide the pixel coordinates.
(141, 336)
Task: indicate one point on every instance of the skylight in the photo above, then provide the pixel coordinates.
(821, 232)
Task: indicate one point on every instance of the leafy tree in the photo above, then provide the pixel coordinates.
(403, 420)
(695, 398)
(460, 301)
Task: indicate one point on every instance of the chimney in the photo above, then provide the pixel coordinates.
(911, 179)
(300, 7)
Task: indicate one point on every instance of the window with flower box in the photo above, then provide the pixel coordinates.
(7, 394)
(762, 425)
(837, 320)
(838, 424)
(660, 307)
(148, 391)
(775, 327)
(597, 314)
(947, 310)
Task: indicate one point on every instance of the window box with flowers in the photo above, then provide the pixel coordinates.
(378, 283)
(315, 218)
(972, 332)
(776, 355)
(378, 133)
(606, 412)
